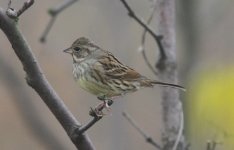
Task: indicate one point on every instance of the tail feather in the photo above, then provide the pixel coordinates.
(169, 85)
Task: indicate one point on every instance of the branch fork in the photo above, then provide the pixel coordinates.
(148, 139)
(14, 14)
(54, 12)
(97, 114)
(157, 38)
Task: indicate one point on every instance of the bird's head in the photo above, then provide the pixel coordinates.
(81, 49)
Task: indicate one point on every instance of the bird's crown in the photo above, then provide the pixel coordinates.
(81, 41)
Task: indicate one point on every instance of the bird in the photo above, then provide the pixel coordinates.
(100, 73)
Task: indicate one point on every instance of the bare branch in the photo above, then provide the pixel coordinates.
(53, 12)
(95, 119)
(85, 127)
(37, 80)
(142, 46)
(60, 7)
(157, 38)
(180, 132)
(9, 4)
(147, 138)
(47, 29)
(26, 5)
(171, 103)
(211, 145)
(15, 14)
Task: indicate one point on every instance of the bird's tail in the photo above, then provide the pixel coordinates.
(169, 85)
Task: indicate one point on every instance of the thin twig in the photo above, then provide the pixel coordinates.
(53, 12)
(180, 133)
(157, 38)
(84, 128)
(60, 7)
(212, 144)
(47, 29)
(147, 138)
(142, 46)
(9, 4)
(12, 13)
(95, 116)
(26, 5)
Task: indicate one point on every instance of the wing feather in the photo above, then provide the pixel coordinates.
(112, 68)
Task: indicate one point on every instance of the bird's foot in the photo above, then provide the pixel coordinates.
(94, 112)
(98, 110)
(107, 104)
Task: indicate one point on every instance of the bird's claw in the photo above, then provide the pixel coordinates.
(97, 111)
(94, 112)
(107, 106)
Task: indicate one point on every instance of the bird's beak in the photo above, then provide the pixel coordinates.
(68, 50)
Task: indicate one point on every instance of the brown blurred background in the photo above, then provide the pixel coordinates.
(205, 35)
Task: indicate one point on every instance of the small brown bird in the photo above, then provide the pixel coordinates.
(100, 73)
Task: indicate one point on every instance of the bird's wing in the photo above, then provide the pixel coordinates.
(110, 67)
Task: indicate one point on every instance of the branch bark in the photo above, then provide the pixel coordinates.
(156, 37)
(15, 14)
(148, 139)
(37, 80)
(54, 12)
(172, 106)
(96, 117)
(172, 136)
(143, 38)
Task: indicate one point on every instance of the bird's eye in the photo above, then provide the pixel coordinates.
(77, 49)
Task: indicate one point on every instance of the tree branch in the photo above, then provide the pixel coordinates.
(47, 29)
(211, 145)
(95, 116)
(142, 46)
(172, 136)
(53, 12)
(156, 37)
(180, 132)
(37, 80)
(12, 13)
(147, 138)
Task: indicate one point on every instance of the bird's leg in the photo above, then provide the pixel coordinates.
(106, 102)
(104, 105)
(107, 105)
(95, 112)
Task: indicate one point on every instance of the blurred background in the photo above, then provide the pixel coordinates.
(205, 41)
